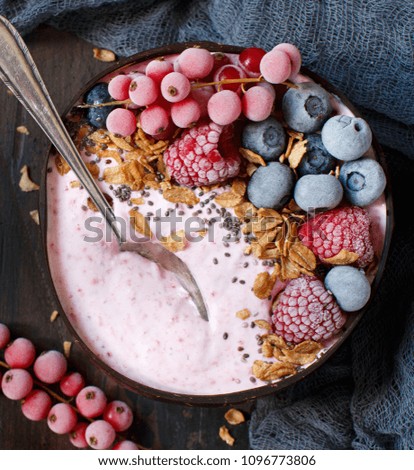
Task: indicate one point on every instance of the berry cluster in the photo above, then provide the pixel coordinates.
(168, 95)
(27, 378)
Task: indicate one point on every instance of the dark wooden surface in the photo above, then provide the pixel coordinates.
(26, 296)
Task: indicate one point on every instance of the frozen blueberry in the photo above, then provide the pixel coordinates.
(96, 95)
(271, 186)
(349, 286)
(318, 192)
(363, 181)
(317, 159)
(306, 107)
(267, 138)
(346, 138)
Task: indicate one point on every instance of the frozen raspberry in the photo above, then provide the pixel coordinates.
(119, 415)
(16, 384)
(77, 436)
(20, 354)
(71, 384)
(305, 310)
(50, 367)
(36, 405)
(203, 155)
(344, 228)
(100, 435)
(4, 336)
(91, 402)
(62, 418)
(125, 445)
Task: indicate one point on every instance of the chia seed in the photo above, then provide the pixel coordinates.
(215, 261)
(227, 255)
(252, 380)
(150, 203)
(245, 265)
(245, 355)
(242, 281)
(181, 212)
(208, 211)
(240, 348)
(252, 324)
(234, 280)
(225, 335)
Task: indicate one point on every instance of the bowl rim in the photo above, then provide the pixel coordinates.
(232, 397)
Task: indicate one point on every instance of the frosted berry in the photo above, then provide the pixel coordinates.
(62, 418)
(121, 121)
(349, 286)
(36, 405)
(294, 56)
(157, 69)
(267, 138)
(363, 180)
(118, 87)
(275, 66)
(125, 445)
(250, 59)
(320, 192)
(100, 435)
(119, 415)
(306, 107)
(257, 103)
(305, 310)
(77, 435)
(175, 87)
(71, 384)
(346, 137)
(50, 367)
(154, 120)
(91, 401)
(271, 186)
(20, 354)
(224, 107)
(229, 72)
(195, 62)
(16, 384)
(4, 336)
(202, 96)
(143, 90)
(345, 228)
(203, 155)
(317, 159)
(185, 113)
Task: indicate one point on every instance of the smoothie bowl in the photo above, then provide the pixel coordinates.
(247, 171)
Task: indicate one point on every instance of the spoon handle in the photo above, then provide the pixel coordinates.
(19, 72)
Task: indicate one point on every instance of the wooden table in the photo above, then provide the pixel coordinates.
(26, 296)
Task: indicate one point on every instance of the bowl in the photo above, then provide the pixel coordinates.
(383, 219)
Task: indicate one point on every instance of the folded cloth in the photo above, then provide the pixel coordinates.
(363, 397)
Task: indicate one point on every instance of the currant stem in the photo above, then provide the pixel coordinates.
(101, 105)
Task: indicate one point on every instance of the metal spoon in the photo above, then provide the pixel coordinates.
(19, 72)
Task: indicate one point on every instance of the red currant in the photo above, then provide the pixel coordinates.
(250, 59)
(229, 72)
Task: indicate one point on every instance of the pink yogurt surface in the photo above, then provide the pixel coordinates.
(137, 318)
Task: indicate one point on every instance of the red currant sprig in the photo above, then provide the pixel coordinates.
(49, 369)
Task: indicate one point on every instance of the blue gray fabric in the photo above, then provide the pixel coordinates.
(363, 398)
